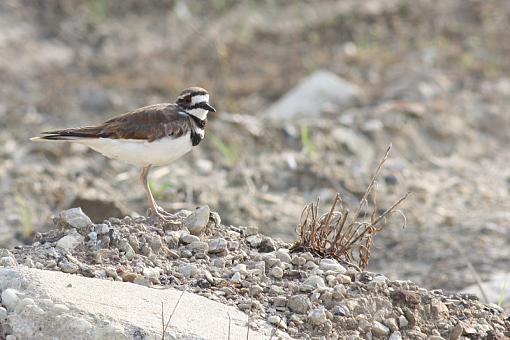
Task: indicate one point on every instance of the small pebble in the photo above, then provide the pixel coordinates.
(276, 272)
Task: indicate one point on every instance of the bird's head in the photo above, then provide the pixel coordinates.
(195, 101)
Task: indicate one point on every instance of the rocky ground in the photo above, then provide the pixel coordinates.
(430, 78)
(299, 294)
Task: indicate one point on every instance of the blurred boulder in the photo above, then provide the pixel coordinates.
(307, 99)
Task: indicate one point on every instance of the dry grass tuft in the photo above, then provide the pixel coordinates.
(341, 235)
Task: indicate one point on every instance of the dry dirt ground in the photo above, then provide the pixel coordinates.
(435, 83)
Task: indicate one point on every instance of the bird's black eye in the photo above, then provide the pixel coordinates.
(187, 99)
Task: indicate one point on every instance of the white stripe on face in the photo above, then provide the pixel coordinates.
(204, 98)
(198, 112)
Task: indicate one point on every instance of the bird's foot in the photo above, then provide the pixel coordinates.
(164, 216)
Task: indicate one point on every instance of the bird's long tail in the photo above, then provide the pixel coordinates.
(72, 134)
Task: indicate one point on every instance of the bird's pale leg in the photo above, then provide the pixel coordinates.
(154, 209)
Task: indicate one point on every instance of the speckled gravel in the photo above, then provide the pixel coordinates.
(298, 293)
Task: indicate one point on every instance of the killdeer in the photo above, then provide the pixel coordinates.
(153, 135)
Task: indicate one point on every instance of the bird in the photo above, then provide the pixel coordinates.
(153, 135)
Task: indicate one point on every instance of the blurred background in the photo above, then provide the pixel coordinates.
(309, 95)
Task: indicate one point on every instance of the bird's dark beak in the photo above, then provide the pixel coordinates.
(208, 107)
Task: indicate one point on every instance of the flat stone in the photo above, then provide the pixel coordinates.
(188, 238)
(70, 241)
(331, 265)
(72, 218)
(102, 309)
(68, 267)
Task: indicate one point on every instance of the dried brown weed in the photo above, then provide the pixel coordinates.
(341, 235)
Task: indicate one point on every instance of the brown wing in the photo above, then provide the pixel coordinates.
(150, 122)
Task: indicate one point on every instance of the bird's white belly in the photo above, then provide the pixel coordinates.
(159, 152)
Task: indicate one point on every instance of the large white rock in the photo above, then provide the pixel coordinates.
(102, 309)
(306, 100)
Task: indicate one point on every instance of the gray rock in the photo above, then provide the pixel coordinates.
(251, 230)
(241, 268)
(274, 319)
(72, 218)
(331, 265)
(283, 255)
(8, 261)
(254, 240)
(188, 238)
(127, 249)
(402, 322)
(306, 100)
(276, 272)
(102, 228)
(217, 245)
(68, 267)
(455, 332)
(198, 247)
(60, 308)
(10, 298)
(378, 329)
(23, 303)
(379, 279)
(236, 277)
(197, 221)
(188, 271)
(299, 303)
(267, 245)
(341, 310)
(314, 281)
(70, 241)
(395, 336)
(317, 316)
(3, 313)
